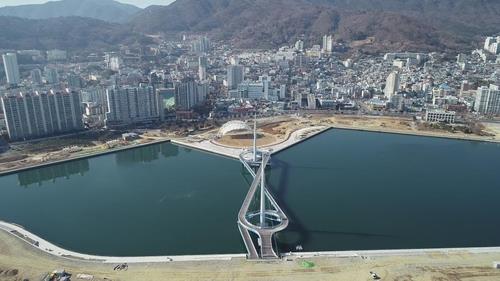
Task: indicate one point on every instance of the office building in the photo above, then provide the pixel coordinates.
(235, 75)
(11, 68)
(189, 94)
(132, 105)
(44, 114)
(488, 100)
(440, 116)
(391, 85)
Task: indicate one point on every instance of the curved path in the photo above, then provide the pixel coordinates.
(265, 234)
(54, 250)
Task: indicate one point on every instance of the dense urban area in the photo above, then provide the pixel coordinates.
(192, 82)
(195, 89)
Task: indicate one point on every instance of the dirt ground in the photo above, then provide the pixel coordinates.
(273, 130)
(246, 140)
(19, 261)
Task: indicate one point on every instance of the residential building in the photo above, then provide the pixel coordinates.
(299, 45)
(201, 45)
(115, 63)
(189, 93)
(42, 114)
(327, 44)
(235, 75)
(391, 85)
(36, 76)
(488, 100)
(492, 45)
(56, 55)
(132, 105)
(11, 68)
(51, 75)
(202, 68)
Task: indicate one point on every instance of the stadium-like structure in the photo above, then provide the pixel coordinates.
(234, 128)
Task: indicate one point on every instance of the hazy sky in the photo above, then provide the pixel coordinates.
(139, 3)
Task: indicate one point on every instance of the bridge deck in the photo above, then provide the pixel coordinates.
(265, 234)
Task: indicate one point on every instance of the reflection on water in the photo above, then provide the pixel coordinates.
(51, 173)
(146, 154)
(80, 167)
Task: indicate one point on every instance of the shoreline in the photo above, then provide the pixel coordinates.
(40, 244)
(417, 134)
(80, 157)
(217, 149)
(294, 138)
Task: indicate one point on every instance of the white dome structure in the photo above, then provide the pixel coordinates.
(234, 127)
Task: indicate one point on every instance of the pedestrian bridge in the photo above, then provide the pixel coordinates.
(271, 220)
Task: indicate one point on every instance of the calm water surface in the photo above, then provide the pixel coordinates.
(342, 190)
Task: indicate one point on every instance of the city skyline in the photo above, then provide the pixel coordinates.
(138, 3)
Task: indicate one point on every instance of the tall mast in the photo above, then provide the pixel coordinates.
(255, 139)
(262, 196)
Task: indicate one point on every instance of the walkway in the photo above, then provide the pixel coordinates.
(265, 234)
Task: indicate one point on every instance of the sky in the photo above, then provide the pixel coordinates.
(138, 3)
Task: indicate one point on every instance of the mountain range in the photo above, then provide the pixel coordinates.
(66, 33)
(371, 25)
(386, 24)
(106, 10)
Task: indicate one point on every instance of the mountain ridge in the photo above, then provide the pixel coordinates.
(63, 33)
(106, 10)
(393, 24)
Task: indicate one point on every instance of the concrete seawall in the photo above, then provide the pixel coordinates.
(40, 244)
(293, 139)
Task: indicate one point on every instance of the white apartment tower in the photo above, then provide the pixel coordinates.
(327, 46)
(391, 85)
(132, 105)
(38, 114)
(488, 100)
(11, 68)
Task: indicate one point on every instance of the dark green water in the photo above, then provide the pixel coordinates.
(342, 190)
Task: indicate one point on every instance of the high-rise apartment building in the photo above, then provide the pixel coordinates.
(492, 45)
(11, 68)
(488, 100)
(132, 105)
(327, 46)
(36, 76)
(51, 75)
(44, 114)
(189, 93)
(235, 75)
(201, 45)
(391, 85)
(202, 68)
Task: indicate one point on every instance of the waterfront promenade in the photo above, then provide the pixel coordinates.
(38, 243)
(294, 138)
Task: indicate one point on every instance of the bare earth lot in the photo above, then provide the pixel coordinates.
(19, 261)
